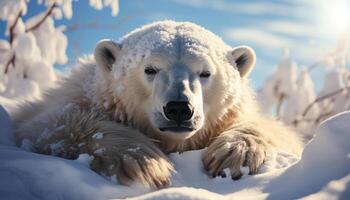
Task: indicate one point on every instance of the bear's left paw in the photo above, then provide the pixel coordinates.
(233, 152)
(134, 164)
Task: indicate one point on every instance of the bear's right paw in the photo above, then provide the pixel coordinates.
(233, 152)
(135, 165)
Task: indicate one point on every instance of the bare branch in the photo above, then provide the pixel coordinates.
(48, 13)
(11, 61)
(13, 26)
(322, 116)
(321, 98)
(12, 34)
(11, 39)
(279, 104)
(314, 65)
(281, 98)
(316, 120)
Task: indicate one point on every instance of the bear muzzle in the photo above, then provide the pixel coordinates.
(178, 111)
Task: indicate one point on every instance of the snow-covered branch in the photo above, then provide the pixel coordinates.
(293, 97)
(11, 38)
(279, 104)
(12, 34)
(11, 61)
(12, 27)
(48, 14)
(34, 46)
(324, 97)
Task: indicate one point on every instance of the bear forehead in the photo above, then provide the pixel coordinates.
(172, 36)
(169, 38)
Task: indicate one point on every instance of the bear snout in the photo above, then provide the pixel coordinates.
(178, 111)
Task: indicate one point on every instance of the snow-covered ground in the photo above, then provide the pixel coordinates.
(322, 173)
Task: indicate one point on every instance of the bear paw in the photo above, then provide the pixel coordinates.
(135, 165)
(233, 152)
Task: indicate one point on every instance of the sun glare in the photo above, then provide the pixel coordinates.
(336, 16)
(339, 15)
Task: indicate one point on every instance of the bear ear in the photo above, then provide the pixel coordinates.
(244, 59)
(106, 53)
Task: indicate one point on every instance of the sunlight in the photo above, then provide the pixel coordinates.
(339, 15)
(336, 16)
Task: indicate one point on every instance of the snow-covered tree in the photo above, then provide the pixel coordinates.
(293, 97)
(280, 85)
(295, 106)
(34, 46)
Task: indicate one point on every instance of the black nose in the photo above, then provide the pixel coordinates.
(178, 111)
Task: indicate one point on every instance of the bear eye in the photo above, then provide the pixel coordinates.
(204, 74)
(150, 71)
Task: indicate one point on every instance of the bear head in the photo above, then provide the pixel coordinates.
(174, 78)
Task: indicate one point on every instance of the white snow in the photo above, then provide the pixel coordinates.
(10, 8)
(85, 159)
(322, 173)
(26, 145)
(26, 48)
(298, 102)
(281, 83)
(97, 4)
(6, 137)
(67, 8)
(100, 151)
(56, 148)
(113, 4)
(301, 98)
(98, 136)
(335, 80)
(134, 149)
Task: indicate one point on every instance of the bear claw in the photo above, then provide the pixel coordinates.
(234, 152)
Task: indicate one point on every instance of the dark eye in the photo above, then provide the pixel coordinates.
(204, 74)
(150, 71)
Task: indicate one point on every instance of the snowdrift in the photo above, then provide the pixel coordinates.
(322, 173)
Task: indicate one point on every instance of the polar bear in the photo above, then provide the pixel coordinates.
(165, 87)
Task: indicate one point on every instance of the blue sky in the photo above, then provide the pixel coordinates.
(304, 26)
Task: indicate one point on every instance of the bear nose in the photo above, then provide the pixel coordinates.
(178, 111)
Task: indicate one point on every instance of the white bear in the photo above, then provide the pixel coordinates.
(166, 87)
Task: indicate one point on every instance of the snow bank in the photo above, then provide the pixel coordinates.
(26, 175)
(325, 158)
(8, 105)
(5, 128)
(322, 173)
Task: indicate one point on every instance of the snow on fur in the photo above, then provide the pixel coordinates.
(161, 36)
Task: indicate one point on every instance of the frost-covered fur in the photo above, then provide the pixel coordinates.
(112, 108)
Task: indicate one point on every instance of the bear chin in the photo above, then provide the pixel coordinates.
(178, 133)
